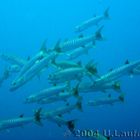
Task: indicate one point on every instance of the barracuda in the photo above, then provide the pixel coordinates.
(67, 75)
(61, 96)
(126, 69)
(32, 72)
(93, 21)
(20, 121)
(66, 64)
(78, 42)
(79, 51)
(87, 87)
(109, 101)
(73, 73)
(38, 57)
(47, 93)
(62, 110)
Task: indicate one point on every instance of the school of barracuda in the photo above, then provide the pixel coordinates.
(70, 77)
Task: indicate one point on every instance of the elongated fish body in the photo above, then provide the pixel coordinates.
(59, 97)
(13, 60)
(108, 101)
(126, 69)
(78, 42)
(30, 63)
(17, 122)
(79, 51)
(33, 71)
(89, 87)
(66, 64)
(46, 93)
(62, 110)
(67, 75)
(91, 22)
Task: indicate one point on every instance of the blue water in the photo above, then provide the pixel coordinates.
(25, 24)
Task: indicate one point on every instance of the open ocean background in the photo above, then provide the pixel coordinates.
(25, 24)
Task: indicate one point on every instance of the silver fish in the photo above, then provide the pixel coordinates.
(65, 64)
(47, 93)
(109, 101)
(39, 56)
(93, 21)
(33, 71)
(87, 87)
(79, 51)
(126, 69)
(78, 42)
(61, 96)
(62, 110)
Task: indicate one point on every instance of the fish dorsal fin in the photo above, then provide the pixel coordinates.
(21, 116)
(43, 47)
(57, 46)
(127, 62)
(71, 125)
(37, 117)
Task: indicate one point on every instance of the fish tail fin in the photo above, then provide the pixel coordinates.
(37, 116)
(91, 68)
(57, 46)
(71, 125)
(106, 13)
(121, 97)
(76, 91)
(98, 34)
(79, 104)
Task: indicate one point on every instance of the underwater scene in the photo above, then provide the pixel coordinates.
(70, 70)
